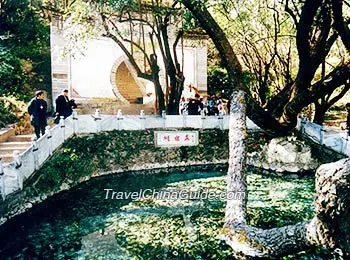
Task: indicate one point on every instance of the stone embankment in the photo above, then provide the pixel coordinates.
(84, 157)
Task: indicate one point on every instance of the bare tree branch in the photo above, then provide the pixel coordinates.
(125, 50)
(339, 24)
(340, 95)
(140, 48)
(291, 13)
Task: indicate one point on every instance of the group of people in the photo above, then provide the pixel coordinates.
(209, 106)
(191, 103)
(37, 109)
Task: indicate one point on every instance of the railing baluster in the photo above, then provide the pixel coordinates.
(97, 118)
(164, 118)
(49, 139)
(2, 180)
(63, 126)
(119, 118)
(18, 163)
(75, 121)
(143, 119)
(35, 155)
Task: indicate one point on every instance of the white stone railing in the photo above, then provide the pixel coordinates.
(336, 140)
(12, 175)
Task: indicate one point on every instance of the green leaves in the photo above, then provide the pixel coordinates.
(7, 115)
(218, 82)
(190, 229)
(24, 50)
(121, 4)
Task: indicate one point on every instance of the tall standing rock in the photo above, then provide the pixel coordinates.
(332, 206)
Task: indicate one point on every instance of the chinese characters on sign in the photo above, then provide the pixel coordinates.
(175, 138)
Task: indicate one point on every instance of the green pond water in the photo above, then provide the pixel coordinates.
(83, 224)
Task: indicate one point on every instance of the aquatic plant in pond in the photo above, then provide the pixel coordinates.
(82, 224)
(185, 229)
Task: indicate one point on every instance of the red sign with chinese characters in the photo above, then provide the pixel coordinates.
(175, 138)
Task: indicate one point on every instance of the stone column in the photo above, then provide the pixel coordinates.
(332, 206)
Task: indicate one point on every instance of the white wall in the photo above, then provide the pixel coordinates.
(195, 66)
(189, 69)
(91, 72)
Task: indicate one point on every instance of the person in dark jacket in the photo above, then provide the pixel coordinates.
(37, 109)
(62, 104)
(195, 106)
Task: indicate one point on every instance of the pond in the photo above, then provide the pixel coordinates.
(87, 223)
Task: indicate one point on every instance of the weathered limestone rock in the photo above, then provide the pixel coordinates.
(332, 206)
(284, 154)
(330, 226)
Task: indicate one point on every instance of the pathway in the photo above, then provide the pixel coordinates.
(13, 143)
(9, 142)
(111, 107)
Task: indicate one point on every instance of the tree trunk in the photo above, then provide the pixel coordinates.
(276, 104)
(159, 93)
(174, 71)
(158, 87)
(263, 92)
(236, 177)
(340, 24)
(174, 100)
(173, 107)
(320, 113)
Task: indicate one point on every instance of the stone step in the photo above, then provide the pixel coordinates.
(111, 109)
(129, 97)
(6, 158)
(15, 144)
(5, 133)
(134, 110)
(130, 90)
(9, 150)
(21, 138)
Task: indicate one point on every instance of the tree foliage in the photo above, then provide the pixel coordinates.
(263, 34)
(218, 82)
(24, 49)
(315, 35)
(24, 55)
(148, 32)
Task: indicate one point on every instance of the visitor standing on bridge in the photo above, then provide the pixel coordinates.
(195, 106)
(37, 109)
(64, 106)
